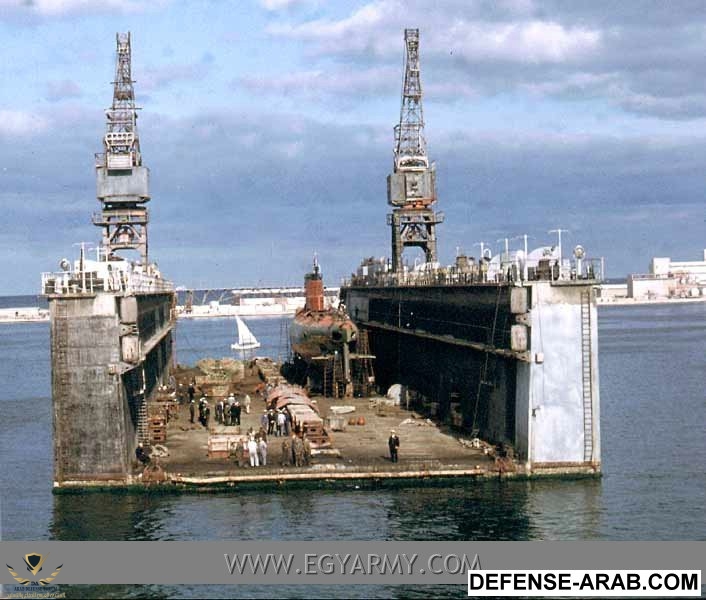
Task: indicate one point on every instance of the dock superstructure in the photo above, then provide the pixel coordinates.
(112, 319)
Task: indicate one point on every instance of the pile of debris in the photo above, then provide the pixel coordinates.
(268, 371)
(419, 422)
(218, 375)
(478, 444)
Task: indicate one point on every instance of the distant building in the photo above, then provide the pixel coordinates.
(669, 279)
(611, 292)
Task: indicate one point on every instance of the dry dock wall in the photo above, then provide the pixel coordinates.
(97, 393)
(430, 339)
(521, 360)
(90, 421)
(558, 390)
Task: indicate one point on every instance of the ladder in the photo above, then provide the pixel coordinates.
(338, 378)
(327, 377)
(486, 377)
(364, 375)
(284, 351)
(586, 375)
(143, 434)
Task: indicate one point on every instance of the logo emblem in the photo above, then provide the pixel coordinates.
(34, 564)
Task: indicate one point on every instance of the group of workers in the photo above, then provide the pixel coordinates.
(256, 447)
(296, 450)
(277, 422)
(228, 411)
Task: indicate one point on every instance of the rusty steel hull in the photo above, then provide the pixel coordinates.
(320, 333)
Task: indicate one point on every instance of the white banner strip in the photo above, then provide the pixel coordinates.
(587, 584)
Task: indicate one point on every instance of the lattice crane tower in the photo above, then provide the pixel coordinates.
(411, 187)
(122, 182)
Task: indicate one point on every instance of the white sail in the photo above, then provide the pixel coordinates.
(246, 340)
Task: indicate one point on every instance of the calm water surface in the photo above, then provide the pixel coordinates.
(652, 369)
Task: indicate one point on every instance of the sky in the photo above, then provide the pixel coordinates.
(267, 126)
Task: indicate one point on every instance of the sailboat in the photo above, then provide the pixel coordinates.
(246, 340)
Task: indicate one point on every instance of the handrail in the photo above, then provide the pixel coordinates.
(450, 276)
(89, 282)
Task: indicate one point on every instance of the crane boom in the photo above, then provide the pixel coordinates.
(411, 187)
(122, 182)
(410, 145)
(121, 141)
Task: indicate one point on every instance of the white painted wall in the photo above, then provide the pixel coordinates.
(556, 423)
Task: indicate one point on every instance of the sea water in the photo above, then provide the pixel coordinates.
(652, 372)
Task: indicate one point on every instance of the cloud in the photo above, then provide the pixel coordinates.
(159, 77)
(376, 27)
(290, 184)
(60, 8)
(674, 108)
(335, 82)
(276, 5)
(60, 90)
(532, 41)
(350, 33)
(641, 62)
(18, 123)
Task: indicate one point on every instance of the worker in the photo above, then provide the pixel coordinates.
(281, 420)
(206, 415)
(271, 420)
(393, 442)
(307, 450)
(228, 409)
(191, 391)
(286, 452)
(262, 452)
(298, 449)
(202, 404)
(263, 419)
(219, 411)
(252, 451)
(239, 453)
(238, 410)
(141, 454)
(234, 420)
(246, 402)
(192, 409)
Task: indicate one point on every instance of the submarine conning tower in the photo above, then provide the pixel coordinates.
(314, 289)
(112, 319)
(503, 348)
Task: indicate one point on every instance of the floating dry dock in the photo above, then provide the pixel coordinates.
(502, 348)
(429, 450)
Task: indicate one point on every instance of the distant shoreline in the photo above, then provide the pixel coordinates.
(639, 302)
(30, 314)
(24, 314)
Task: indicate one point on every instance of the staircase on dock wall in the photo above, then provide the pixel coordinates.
(586, 371)
(143, 434)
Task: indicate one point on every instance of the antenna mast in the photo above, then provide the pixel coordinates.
(411, 187)
(122, 181)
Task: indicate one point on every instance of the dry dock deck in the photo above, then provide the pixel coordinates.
(430, 453)
(425, 450)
